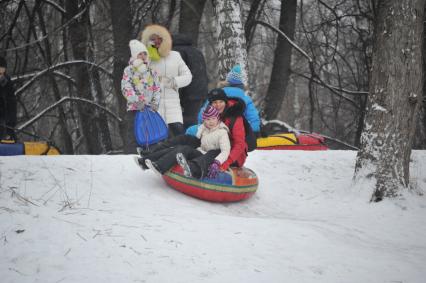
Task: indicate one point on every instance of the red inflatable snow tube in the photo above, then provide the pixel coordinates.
(236, 184)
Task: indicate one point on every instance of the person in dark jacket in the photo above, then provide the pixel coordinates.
(7, 104)
(193, 95)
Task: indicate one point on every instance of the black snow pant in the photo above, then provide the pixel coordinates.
(199, 163)
(191, 141)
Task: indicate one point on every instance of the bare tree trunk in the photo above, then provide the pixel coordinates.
(395, 96)
(282, 61)
(191, 12)
(98, 96)
(65, 135)
(250, 25)
(420, 137)
(230, 37)
(122, 33)
(78, 34)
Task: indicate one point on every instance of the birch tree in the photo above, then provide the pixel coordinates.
(231, 42)
(395, 93)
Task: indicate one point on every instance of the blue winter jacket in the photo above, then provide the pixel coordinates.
(251, 113)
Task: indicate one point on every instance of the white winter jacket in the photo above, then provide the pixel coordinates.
(215, 138)
(172, 67)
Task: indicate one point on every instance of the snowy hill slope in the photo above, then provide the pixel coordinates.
(101, 219)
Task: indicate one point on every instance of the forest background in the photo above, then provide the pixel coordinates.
(67, 57)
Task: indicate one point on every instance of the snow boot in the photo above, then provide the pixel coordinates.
(140, 162)
(143, 152)
(151, 165)
(181, 160)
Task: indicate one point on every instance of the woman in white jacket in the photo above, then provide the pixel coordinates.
(173, 73)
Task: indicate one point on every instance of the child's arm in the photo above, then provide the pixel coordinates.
(128, 90)
(156, 91)
(225, 147)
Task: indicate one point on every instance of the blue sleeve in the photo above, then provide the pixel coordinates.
(252, 115)
(192, 131)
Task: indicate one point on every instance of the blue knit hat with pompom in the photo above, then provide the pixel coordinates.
(235, 76)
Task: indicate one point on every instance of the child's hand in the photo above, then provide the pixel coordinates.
(214, 169)
(137, 62)
(154, 107)
(140, 105)
(140, 65)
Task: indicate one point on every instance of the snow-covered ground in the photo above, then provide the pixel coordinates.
(101, 219)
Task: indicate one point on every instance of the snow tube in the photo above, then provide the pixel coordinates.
(27, 148)
(149, 127)
(233, 185)
(291, 141)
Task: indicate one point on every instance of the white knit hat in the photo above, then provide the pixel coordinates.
(137, 47)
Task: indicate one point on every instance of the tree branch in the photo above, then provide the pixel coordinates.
(304, 54)
(52, 68)
(62, 100)
(48, 34)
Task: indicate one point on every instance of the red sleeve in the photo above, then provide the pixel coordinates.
(238, 143)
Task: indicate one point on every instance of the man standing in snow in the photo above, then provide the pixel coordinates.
(193, 95)
(7, 104)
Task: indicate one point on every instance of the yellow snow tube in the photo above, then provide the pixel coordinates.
(277, 140)
(40, 148)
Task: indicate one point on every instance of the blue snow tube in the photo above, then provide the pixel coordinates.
(149, 128)
(9, 149)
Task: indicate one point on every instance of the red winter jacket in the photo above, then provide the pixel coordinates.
(237, 156)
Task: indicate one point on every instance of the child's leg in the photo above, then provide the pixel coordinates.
(167, 161)
(184, 157)
(204, 161)
(190, 141)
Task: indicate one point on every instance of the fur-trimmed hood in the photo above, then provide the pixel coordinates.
(162, 32)
(234, 108)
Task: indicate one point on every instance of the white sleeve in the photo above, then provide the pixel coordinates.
(184, 76)
(225, 147)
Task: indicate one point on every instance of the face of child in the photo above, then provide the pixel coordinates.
(2, 71)
(219, 105)
(211, 122)
(157, 40)
(143, 56)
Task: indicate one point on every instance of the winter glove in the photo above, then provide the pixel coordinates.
(214, 169)
(140, 65)
(169, 82)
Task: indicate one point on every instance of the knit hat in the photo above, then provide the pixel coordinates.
(210, 112)
(235, 76)
(3, 62)
(217, 94)
(137, 47)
